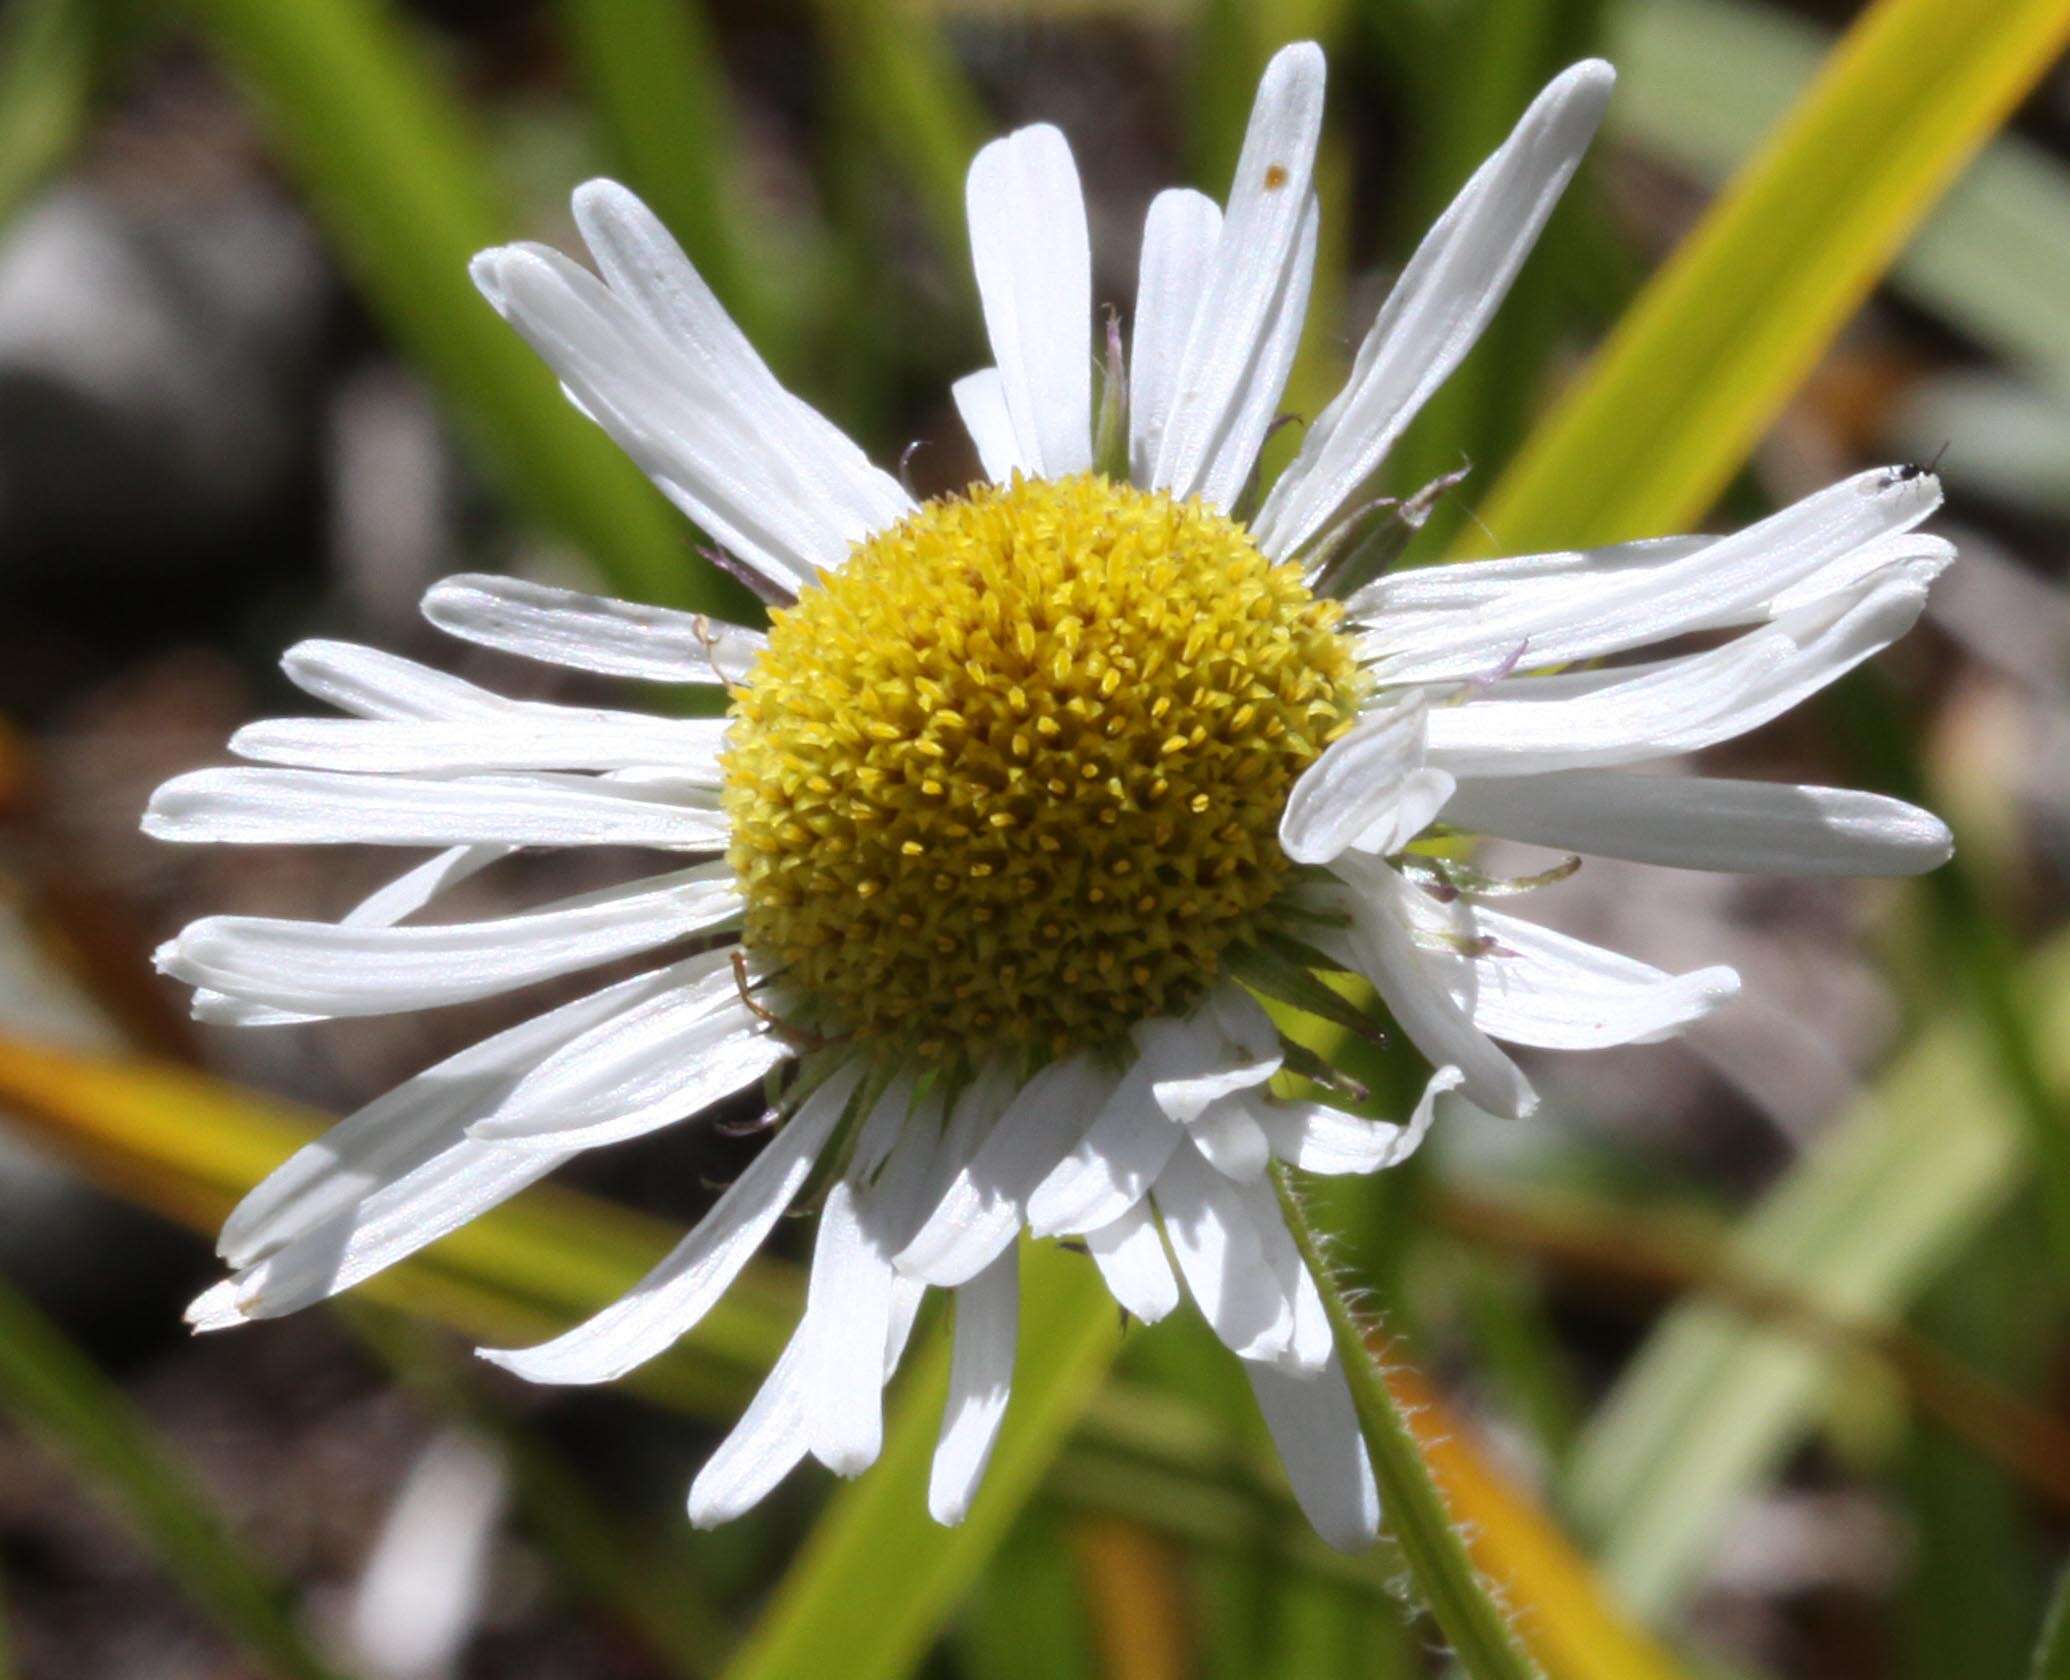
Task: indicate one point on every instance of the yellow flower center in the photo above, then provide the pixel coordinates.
(1013, 776)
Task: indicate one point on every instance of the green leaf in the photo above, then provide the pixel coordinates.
(1647, 437)
(54, 1390)
(1713, 1403)
(877, 1577)
(401, 185)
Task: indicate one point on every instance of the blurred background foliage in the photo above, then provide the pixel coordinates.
(1747, 1358)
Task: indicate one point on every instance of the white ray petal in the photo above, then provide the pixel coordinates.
(403, 1130)
(647, 268)
(370, 683)
(1221, 1253)
(1558, 993)
(980, 1381)
(699, 435)
(1532, 725)
(1250, 305)
(402, 897)
(670, 1300)
(1449, 624)
(981, 404)
(334, 969)
(1229, 1044)
(1702, 822)
(1451, 286)
(591, 632)
(1179, 238)
(759, 1451)
(1369, 789)
(1379, 945)
(322, 807)
(649, 1067)
(1229, 1136)
(1034, 275)
(1320, 1139)
(1316, 1430)
(1112, 1166)
(1130, 1255)
(979, 1213)
(545, 739)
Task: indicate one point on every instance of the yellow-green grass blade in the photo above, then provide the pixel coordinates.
(1703, 80)
(46, 75)
(1666, 413)
(1712, 1404)
(2052, 1654)
(878, 1577)
(403, 188)
(54, 1390)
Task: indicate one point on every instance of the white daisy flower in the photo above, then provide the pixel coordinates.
(1023, 803)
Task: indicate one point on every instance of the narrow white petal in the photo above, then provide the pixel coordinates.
(980, 1380)
(1702, 822)
(1451, 286)
(1366, 788)
(1379, 945)
(1034, 275)
(1235, 457)
(646, 1068)
(1178, 250)
(335, 969)
(1532, 725)
(647, 268)
(407, 1127)
(322, 807)
(1558, 993)
(849, 1315)
(1316, 1430)
(676, 1294)
(1232, 1140)
(540, 740)
(1130, 1255)
(1229, 1044)
(459, 1183)
(979, 1213)
(1320, 1139)
(1444, 622)
(701, 435)
(1221, 1253)
(370, 683)
(760, 1450)
(981, 404)
(1112, 1166)
(1237, 350)
(591, 632)
(401, 898)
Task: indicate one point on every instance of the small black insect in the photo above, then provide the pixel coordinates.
(1913, 469)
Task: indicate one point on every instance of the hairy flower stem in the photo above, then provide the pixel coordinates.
(1411, 1506)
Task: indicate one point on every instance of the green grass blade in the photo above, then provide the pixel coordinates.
(1703, 80)
(402, 187)
(2052, 1655)
(55, 1391)
(877, 1577)
(46, 76)
(1649, 435)
(1712, 1403)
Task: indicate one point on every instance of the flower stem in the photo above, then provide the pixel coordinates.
(1414, 1510)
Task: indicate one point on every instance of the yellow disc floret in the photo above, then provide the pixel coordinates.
(1014, 774)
